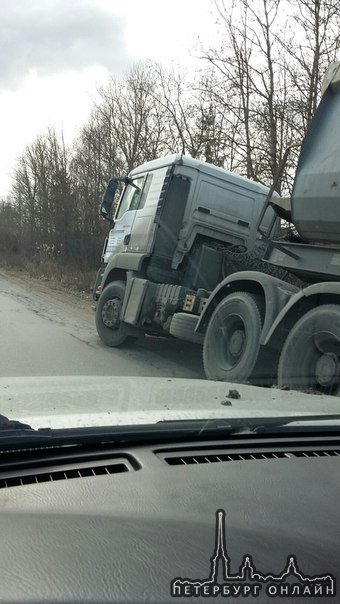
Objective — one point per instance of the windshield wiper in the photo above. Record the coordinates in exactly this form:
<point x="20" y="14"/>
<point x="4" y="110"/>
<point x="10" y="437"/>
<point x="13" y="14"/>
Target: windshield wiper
<point x="12" y="424"/>
<point x="257" y="425"/>
<point x="18" y="434"/>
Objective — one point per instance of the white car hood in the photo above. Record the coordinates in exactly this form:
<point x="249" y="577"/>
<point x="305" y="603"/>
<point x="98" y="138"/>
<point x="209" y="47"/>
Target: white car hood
<point x="66" y="402"/>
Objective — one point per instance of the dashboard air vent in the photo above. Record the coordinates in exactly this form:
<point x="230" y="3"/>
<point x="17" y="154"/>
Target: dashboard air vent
<point x="65" y="472"/>
<point x="199" y="458"/>
<point x="330" y="453"/>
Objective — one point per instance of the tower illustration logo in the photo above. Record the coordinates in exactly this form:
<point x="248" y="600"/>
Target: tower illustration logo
<point x="248" y="581"/>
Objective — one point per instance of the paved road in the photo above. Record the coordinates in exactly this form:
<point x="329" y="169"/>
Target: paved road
<point x="44" y="331"/>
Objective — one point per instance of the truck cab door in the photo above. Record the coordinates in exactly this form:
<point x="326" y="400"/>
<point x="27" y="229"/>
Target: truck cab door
<point x="119" y="236"/>
<point x="144" y="226"/>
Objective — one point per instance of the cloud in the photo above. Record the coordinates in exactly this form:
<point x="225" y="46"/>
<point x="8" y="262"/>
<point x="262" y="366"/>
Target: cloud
<point x="55" y="36"/>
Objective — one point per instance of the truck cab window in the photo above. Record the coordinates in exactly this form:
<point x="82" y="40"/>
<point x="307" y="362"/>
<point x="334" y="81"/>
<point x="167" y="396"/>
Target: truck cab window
<point x="145" y="191"/>
<point x="131" y="197"/>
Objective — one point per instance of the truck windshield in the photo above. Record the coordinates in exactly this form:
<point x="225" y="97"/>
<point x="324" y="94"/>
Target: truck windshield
<point x="130" y="197"/>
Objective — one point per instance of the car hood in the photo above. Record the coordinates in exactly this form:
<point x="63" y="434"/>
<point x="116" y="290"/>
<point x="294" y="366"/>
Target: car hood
<point x="70" y="402"/>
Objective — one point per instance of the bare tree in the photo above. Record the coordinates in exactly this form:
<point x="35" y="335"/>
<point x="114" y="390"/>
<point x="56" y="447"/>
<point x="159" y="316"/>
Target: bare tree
<point x="127" y="106"/>
<point x="312" y="45"/>
<point x="42" y="195"/>
<point x="270" y="60"/>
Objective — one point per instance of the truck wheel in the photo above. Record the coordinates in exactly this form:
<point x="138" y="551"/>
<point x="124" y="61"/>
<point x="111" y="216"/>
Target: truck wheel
<point x="109" y="327"/>
<point x="310" y="357"/>
<point x="232" y="340"/>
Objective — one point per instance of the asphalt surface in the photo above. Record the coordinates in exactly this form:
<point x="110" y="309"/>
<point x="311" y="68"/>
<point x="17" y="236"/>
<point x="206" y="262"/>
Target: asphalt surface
<point x="45" y="331"/>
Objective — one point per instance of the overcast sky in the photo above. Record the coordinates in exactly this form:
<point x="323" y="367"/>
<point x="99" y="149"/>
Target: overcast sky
<point x="55" y="53"/>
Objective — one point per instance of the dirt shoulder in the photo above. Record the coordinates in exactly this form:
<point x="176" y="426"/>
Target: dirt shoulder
<point x="46" y="289"/>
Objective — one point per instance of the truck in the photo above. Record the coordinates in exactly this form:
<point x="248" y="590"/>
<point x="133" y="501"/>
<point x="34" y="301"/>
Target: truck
<point x="180" y="226"/>
<point x="197" y="253"/>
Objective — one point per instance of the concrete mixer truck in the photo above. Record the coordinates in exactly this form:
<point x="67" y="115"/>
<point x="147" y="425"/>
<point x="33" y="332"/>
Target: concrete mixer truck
<point x="184" y="269"/>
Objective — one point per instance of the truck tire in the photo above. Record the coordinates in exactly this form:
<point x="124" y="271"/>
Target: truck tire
<point x="310" y="357"/>
<point x="251" y="260"/>
<point x="232" y="340"/>
<point x="183" y="325"/>
<point x="109" y="327"/>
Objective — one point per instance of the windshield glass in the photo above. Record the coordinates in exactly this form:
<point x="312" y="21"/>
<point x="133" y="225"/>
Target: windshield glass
<point x="215" y="290"/>
<point x="169" y="301"/>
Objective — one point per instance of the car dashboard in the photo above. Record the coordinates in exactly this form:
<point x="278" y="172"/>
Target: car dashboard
<point x="110" y="524"/>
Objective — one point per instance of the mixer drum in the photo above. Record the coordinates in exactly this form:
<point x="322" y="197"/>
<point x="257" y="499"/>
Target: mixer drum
<point x="316" y="192"/>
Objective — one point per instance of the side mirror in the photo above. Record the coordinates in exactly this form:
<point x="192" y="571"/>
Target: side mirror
<point x="108" y="197"/>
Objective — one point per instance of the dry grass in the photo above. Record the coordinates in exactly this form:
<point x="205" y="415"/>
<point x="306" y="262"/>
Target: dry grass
<point x="72" y="278"/>
<point x="8" y="260"/>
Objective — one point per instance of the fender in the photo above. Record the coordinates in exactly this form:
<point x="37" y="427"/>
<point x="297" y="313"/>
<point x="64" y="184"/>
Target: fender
<point x="274" y="292"/>
<point x="317" y="289"/>
<point x="124" y="261"/>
